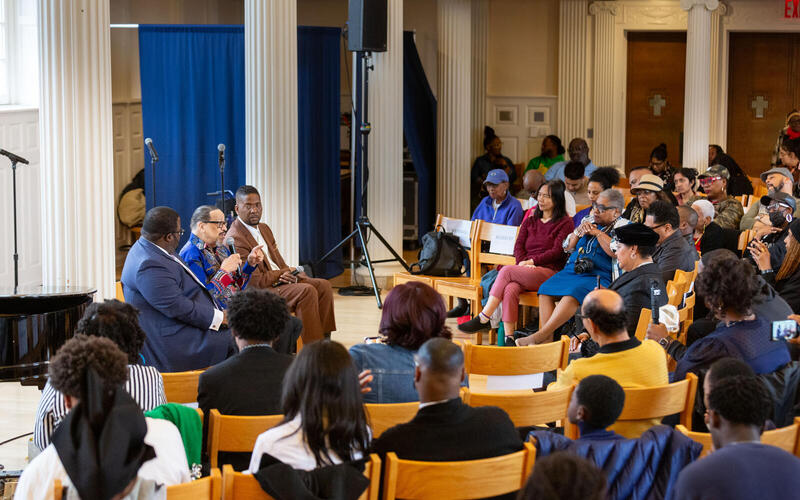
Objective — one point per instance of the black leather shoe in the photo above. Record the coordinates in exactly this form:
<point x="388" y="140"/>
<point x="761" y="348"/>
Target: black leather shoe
<point x="474" y="325"/>
<point x="510" y="341"/>
<point x="461" y="309"/>
<point x="519" y="334"/>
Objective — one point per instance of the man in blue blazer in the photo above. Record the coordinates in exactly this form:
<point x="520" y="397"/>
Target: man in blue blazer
<point x="175" y="309"/>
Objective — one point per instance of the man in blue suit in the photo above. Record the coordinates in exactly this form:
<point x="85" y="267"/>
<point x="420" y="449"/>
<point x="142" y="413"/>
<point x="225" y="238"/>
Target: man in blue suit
<point x="175" y="309"/>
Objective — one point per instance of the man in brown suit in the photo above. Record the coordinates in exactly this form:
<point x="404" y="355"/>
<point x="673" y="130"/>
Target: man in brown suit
<point x="311" y="299"/>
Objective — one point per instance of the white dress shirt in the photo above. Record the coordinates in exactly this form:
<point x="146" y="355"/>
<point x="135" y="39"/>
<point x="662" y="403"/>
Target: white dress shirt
<point x="260" y="240"/>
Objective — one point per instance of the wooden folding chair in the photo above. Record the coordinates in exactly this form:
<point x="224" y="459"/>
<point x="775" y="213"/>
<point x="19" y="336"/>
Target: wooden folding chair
<point x="645" y="317"/>
<point x="181" y="387"/>
<point x="58" y="490"/>
<point x="786" y="438"/>
<point x="525" y="408"/>
<point x="457" y="480"/>
<point x="646" y="403"/>
<point x="120" y="296"/>
<point x="382" y="416"/>
<point x="240" y="486"/>
<point x="234" y="433"/>
<point x="744" y="238"/>
<point x="686" y="316"/>
<point x="493" y="360"/>
<point x="207" y="488"/>
<point x="445" y="223"/>
<point x="675" y="291"/>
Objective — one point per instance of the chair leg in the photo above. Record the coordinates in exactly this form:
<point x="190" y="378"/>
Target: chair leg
<point x="477" y="338"/>
<point x="493" y="337"/>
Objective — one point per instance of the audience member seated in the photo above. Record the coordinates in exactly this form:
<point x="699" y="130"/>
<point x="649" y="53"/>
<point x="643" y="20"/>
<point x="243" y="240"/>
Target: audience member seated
<point x="445" y="429"/>
<point x="311" y="299"/>
<point x="672" y="252"/>
<point x="576" y="181"/>
<point x="784" y="277"/>
<point x="728" y="210"/>
<point x="603" y="178"/>
<point x="324" y="421"/>
<point x="248" y="383"/>
<point x="790" y="131"/>
<point x="590" y="261"/>
<point x="778" y="180"/>
<point x="564" y="476"/>
<point x="644" y="467"/>
<point x="634" y="177"/>
<point x="531" y="182"/>
<point x="105" y="447"/>
<point x="493" y="159"/>
<point x="632" y="363"/>
<point x="539" y="256"/>
<point x="634" y="245"/>
<point x="661" y="167"/>
<point x="176" y="310"/>
<point x="685" y="180"/>
<point x="578" y="151"/>
<point x="771" y="236"/>
<point x="118" y="322"/>
<point x="498" y="207"/>
<point x="412" y="313"/>
<point x="728" y="286"/>
<point x="708" y="236"/>
<point x="687" y="223"/>
<point x="649" y="189"/>
<point x="739" y="182"/>
<point x="790" y="158"/>
<point x="736" y="409"/>
<point x="552" y="153"/>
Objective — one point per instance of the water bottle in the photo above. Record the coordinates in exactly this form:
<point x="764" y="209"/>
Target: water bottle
<point x="501" y="335"/>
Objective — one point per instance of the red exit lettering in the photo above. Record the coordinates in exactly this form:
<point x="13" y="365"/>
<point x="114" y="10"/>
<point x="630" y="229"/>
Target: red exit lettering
<point x="792" y="9"/>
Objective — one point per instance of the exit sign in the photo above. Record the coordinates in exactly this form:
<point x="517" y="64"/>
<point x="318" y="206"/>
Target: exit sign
<point x="792" y="9"/>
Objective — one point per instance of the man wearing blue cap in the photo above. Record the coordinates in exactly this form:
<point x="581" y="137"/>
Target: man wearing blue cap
<point x="499" y="207"/>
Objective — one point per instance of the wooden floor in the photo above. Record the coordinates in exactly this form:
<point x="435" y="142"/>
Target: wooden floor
<point x="356" y="318"/>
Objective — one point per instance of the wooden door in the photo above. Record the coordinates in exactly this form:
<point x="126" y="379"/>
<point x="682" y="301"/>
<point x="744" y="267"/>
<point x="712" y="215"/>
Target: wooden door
<point x="654" y="101"/>
<point x="762" y="89"/>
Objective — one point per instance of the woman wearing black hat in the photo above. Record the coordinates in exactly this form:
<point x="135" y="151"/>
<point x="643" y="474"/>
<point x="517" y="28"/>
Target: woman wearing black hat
<point x="634" y="245"/>
<point x="786" y="280"/>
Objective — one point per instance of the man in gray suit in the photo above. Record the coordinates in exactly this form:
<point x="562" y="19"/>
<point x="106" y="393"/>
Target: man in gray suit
<point x="672" y="251"/>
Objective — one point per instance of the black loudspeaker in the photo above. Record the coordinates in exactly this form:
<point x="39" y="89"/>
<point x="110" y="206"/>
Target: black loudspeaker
<point x="366" y="26"/>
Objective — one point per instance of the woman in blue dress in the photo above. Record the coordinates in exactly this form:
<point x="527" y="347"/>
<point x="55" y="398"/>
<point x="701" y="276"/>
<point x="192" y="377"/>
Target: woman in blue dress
<point x="591" y="260"/>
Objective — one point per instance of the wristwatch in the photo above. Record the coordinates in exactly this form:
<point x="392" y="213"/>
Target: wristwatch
<point x="665" y="342"/>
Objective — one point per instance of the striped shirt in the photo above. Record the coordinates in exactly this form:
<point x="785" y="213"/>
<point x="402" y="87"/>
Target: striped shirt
<point x="144" y="384"/>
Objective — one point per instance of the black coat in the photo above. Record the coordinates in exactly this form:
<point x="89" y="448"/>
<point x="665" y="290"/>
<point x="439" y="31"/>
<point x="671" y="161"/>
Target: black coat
<point x="248" y="383"/>
<point x="674" y="253"/>
<point x="634" y="287"/>
<point x="788" y="288"/>
<point x="715" y="237"/>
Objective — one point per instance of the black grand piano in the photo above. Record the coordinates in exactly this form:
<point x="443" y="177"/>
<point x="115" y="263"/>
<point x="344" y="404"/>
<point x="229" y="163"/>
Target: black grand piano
<point x="34" y="322"/>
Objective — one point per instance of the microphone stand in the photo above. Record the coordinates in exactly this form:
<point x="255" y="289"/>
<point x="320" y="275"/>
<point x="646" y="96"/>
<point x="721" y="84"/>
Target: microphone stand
<point x="14" y="191"/>
<point x="222" y="184"/>
<point x="153" y="170"/>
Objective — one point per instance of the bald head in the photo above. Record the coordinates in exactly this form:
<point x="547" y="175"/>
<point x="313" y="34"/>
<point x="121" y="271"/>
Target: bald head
<point x="604" y="315"/>
<point x="532" y="181"/>
<point x="439" y="371"/>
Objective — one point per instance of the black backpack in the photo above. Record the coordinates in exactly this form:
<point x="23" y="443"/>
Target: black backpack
<point x="441" y="255"/>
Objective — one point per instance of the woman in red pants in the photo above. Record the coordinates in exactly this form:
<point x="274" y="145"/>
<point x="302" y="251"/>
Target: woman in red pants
<point x="538" y="253"/>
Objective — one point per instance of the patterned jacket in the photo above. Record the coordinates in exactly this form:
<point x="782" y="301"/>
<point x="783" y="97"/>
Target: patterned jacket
<point x="728" y="213"/>
<point x="205" y="262"/>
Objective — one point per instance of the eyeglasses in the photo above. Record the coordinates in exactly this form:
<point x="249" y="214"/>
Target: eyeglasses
<point x="657" y="226"/>
<point x="601" y="208"/>
<point x="219" y="223"/>
<point x="707" y="181"/>
<point x="774" y="207"/>
<point x="179" y="233"/>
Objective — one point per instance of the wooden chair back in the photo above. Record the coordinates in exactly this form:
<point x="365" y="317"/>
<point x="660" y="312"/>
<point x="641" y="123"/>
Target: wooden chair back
<point x="786" y="438"/>
<point x="382" y="416"/>
<point x="578" y="208"/>
<point x="645" y="403"/>
<point x="240" y="486"/>
<point x="457" y="480"/>
<point x="645" y="317"/>
<point x="58" y="490"/>
<point x="675" y="291"/>
<point x="685" y="276"/>
<point x="493" y="360"/>
<point x="207" y="488"/>
<point x="525" y="408"/>
<point x="624" y="182"/>
<point x="234" y="433"/>
<point x="486" y="232"/>
<point x="744" y="239"/>
<point x="181" y="387"/>
<point x="120" y="296"/>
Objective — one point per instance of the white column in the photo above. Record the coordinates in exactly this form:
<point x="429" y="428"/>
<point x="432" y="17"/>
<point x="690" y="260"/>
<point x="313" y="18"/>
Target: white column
<point x="716" y="134"/>
<point x="270" y="37"/>
<point x="76" y="136"/>
<point x="385" y="188"/>
<point x="453" y="159"/>
<point x="480" y="38"/>
<point x="572" y="69"/>
<point x="697" y="106"/>
<point x="605" y="17"/>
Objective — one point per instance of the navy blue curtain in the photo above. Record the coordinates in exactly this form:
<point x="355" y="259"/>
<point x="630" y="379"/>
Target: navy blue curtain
<point x="318" y="79"/>
<point x="192" y="99"/>
<point x="419" y="127"/>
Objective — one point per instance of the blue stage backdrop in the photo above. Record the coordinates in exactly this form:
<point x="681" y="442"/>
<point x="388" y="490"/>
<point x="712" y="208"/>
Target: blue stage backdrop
<point x="192" y="81"/>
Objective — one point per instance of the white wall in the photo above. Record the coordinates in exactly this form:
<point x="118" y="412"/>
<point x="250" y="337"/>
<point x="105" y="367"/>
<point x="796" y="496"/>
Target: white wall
<point x="19" y="133"/>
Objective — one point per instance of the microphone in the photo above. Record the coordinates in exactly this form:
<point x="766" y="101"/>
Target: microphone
<point x="297" y="270"/>
<point x="149" y="143"/>
<point x="13" y="157"/>
<point x="655" y="293"/>
<point x="221" y="157"/>
<point x="230" y="245"/>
